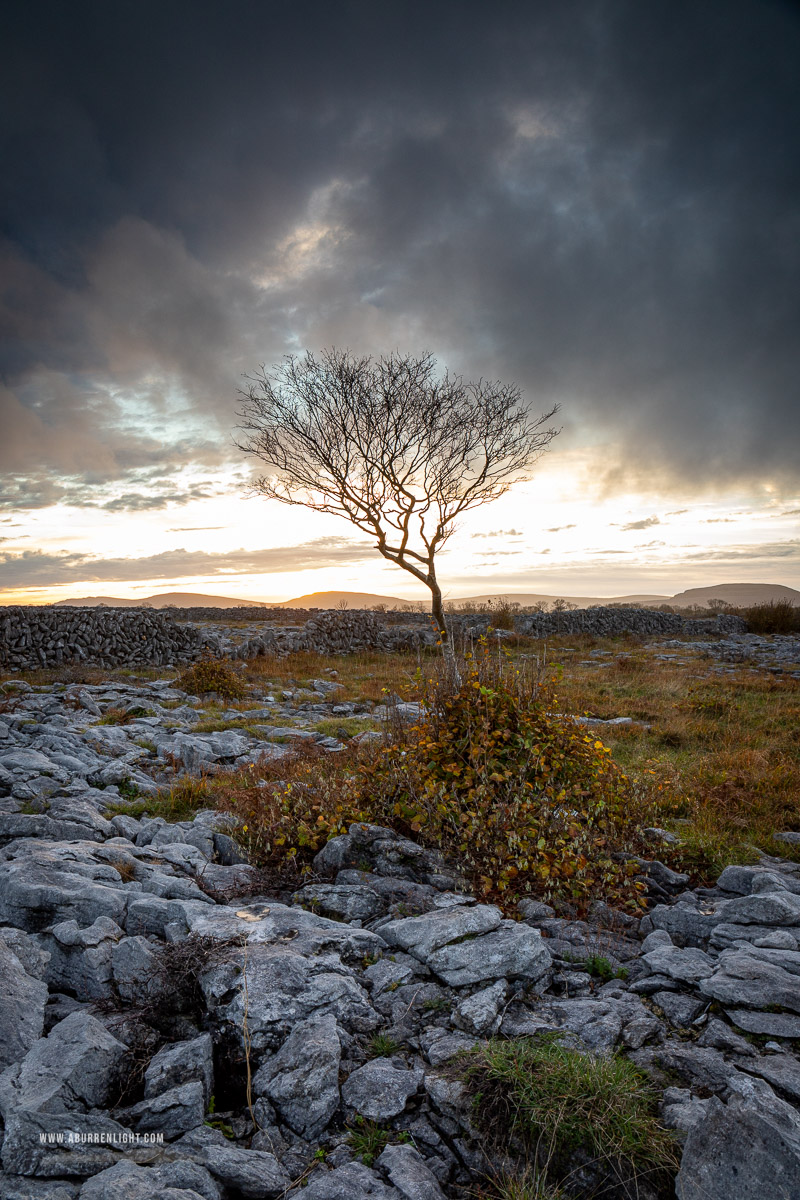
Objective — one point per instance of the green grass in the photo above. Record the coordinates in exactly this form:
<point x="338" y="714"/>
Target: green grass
<point x="528" y="1184"/>
<point x="180" y="803"/>
<point x="555" y="1100"/>
<point x="382" y="1045"/>
<point x="344" y="728"/>
<point x="368" y="1140"/>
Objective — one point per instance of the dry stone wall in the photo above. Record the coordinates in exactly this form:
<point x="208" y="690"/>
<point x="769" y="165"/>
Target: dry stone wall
<point x="32" y="637"/>
<point x="610" y="622"/>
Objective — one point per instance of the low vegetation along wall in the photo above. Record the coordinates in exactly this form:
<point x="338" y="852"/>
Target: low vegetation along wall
<point x="33" y="637"/>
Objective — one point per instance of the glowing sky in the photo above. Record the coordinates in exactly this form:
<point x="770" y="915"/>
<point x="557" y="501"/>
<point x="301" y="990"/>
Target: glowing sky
<point x="598" y="201"/>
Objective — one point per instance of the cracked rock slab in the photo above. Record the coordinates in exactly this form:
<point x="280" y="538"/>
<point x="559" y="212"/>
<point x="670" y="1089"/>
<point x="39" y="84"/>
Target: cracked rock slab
<point x="513" y="951"/>
<point x="302" y="1079"/>
<point x="379" y="1090"/>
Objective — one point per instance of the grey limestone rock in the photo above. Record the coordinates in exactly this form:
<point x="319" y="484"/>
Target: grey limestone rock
<point x="19" y="1187"/>
<point x="514" y="951"/>
<point x="782" y="1025"/>
<point x="761" y="908"/>
<point x="480" y="1012"/>
<point x="277" y="924"/>
<point x="700" y="1066"/>
<point x="284" y="987"/>
<point x="686" y="924"/>
<point x="409" y="1173"/>
<point x="352" y="1181"/>
<point x="75" y="1067"/>
<point x="81" y="958"/>
<point x="38" y="890"/>
<point x="720" y="1036"/>
<point x="598" y="1023"/>
<point x="171" y="1113"/>
<point x="684" y="966"/>
<point x="781" y="1071"/>
<point x="181" y="1180"/>
<point x="534" y="911"/>
<point x="256" y="1174"/>
<point x="302" y="1079"/>
<point x="135" y="970"/>
<point x="748" y="1149"/>
<point x="681" y="1110"/>
<point x="22" y="1005"/>
<point x="679" y="1009"/>
<point x="439" y="1045"/>
<point x="347" y="903"/>
<point x="746" y="979"/>
<point x="423" y="935"/>
<point x="181" y="1062"/>
<point x="388" y="974"/>
<point x="46" y="1145"/>
<point x="379" y="1090"/>
<point x="657" y="939"/>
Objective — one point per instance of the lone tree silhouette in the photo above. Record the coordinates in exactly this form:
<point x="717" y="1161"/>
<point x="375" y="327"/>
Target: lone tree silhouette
<point x="391" y="444"/>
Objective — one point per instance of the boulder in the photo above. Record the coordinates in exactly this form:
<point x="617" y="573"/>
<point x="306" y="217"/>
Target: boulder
<point x="170" y="1113"/>
<point x="746" y="980"/>
<point x="256" y="1174"/>
<point x="302" y="1079"/>
<point x="22" y="1004"/>
<point x="75" y="1067"/>
<point x="181" y="1180"/>
<point x="423" y="935"/>
<point x="409" y="1173"/>
<point x="513" y="951"/>
<point x="748" y="1149"/>
<point x="379" y="1090"/>
<point x="181" y="1062"/>
<point x="353" y="1181"/>
<point x="38" y="1143"/>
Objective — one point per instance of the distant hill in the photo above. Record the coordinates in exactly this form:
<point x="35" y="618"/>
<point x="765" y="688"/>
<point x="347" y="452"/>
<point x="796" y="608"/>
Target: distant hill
<point x="179" y="599"/>
<point x="352" y="599"/>
<point x="528" y="599"/>
<point x="739" y="594"/>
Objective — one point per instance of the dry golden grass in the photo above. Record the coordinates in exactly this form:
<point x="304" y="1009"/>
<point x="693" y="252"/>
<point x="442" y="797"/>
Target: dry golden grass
<point x="720" y="763"/>
<point x="367" y="675"/>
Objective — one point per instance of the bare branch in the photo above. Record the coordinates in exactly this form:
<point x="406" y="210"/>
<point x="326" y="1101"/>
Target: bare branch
<point x="397" y="449"/>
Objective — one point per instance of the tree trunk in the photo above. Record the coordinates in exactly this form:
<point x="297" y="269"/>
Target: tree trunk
<point x="437" y="612"/>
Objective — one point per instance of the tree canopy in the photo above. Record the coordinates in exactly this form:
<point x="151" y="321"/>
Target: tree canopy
<point x="397" y="447"/>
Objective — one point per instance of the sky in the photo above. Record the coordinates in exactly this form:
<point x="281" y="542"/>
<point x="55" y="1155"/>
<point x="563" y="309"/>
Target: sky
<point x="596" y="200"/>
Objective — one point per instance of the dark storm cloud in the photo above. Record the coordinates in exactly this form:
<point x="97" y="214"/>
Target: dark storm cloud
<point x="598" y="200"/>
<point x="36" y="568"/>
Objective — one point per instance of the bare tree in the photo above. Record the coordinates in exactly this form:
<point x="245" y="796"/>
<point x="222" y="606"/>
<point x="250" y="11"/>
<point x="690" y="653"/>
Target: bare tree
<point x="391" y="444"/>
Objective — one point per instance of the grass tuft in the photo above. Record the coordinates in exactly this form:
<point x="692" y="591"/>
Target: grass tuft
<point x="556" y="1100"/>
<point x="382" y="1045"/>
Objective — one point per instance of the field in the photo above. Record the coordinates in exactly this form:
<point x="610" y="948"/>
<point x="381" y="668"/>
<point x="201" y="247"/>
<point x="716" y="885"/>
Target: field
<point x="712" y="756"/>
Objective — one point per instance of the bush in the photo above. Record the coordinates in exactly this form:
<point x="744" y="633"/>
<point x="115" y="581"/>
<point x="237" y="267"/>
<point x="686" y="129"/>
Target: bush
<point x="511" y="791"/>
<point x="774" y="616"/>
<point x="212" y="675"/>
<point x="555" y="1101"/>
<point x="518" y="797"/>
